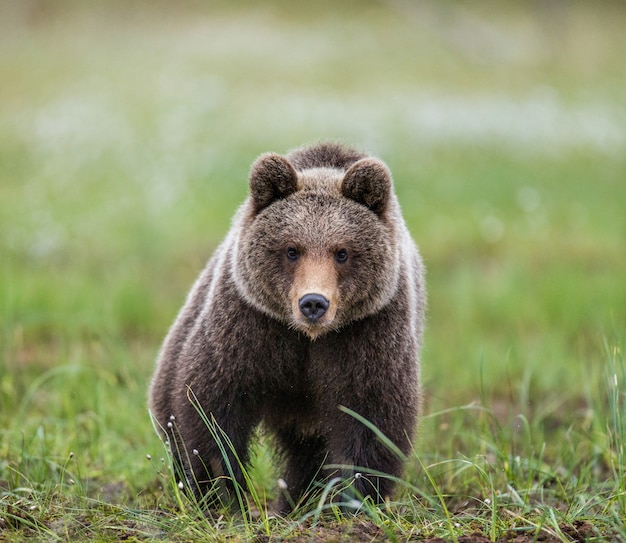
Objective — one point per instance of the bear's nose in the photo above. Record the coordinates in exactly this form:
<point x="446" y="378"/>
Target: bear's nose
<point x="313" y="306"/>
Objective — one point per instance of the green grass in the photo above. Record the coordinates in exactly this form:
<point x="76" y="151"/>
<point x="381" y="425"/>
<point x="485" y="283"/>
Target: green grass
<point x="126" y="135"/>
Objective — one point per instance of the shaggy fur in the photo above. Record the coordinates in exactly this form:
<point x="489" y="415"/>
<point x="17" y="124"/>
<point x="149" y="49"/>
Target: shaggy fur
<point x="314" y="300"/>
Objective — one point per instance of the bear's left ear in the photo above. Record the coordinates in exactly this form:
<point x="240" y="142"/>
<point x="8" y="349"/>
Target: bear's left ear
<point x="368" y="182"/>
<point x="272" y="177"/>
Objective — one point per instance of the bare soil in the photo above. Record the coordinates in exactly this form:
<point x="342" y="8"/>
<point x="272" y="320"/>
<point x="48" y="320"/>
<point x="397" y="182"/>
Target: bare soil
<point x="367" y="532"/>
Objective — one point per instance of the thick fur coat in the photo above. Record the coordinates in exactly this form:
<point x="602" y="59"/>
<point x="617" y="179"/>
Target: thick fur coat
<point x="314" y="300"/>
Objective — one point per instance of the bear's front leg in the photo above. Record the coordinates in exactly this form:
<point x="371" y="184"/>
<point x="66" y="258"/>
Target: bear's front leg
<point x="304" y="458"/>
<point x="212" y="447"/>
<point x="367" y="465"/>
<point x="376" y="376"/>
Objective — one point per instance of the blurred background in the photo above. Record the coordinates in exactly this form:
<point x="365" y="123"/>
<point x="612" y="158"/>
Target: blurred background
<point x="127" y="130"/>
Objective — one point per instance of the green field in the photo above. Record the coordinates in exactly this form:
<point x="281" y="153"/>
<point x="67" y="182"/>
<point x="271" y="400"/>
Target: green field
<point x="126" y="136"/>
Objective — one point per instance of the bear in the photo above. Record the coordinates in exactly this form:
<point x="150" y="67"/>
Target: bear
<point x="310" y="311"/>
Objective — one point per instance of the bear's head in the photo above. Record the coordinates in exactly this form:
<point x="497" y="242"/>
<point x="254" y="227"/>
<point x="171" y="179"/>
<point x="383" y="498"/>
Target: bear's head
<point x="318" y="246"/>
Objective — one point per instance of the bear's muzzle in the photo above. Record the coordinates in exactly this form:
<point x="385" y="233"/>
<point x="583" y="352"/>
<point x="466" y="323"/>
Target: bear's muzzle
<point x="313" y="306"/>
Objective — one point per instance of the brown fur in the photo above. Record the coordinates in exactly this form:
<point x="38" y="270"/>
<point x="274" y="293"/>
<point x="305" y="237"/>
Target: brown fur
<point x="314" y="300"/>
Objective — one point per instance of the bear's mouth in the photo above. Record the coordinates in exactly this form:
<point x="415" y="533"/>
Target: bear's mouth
<point x="313" y="330"/>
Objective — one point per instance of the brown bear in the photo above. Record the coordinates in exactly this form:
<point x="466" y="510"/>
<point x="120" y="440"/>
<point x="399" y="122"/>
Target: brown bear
<point x="315" y="300"/>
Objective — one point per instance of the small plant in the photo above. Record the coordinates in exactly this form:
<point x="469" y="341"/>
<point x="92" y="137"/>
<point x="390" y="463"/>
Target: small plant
<point x="616" y="429"/>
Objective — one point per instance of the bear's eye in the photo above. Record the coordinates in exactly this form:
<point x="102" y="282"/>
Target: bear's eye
<point x="292" y="254"/>
<point x="341" y="256"/>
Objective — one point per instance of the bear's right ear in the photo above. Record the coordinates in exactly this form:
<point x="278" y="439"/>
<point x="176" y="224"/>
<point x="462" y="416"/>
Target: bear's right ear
<point x="272" y="177"/>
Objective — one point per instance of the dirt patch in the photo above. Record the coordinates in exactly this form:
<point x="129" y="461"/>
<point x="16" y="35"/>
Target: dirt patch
<point x="331" y="533"/>
<point x="367" y="532"/>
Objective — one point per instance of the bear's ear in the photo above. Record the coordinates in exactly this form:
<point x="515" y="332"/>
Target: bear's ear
<point x="272" y="177"/>
<point x="368" y="182"/>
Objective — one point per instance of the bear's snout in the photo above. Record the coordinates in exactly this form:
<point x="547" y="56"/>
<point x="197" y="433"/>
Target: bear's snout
<point x="313" y="306"/>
